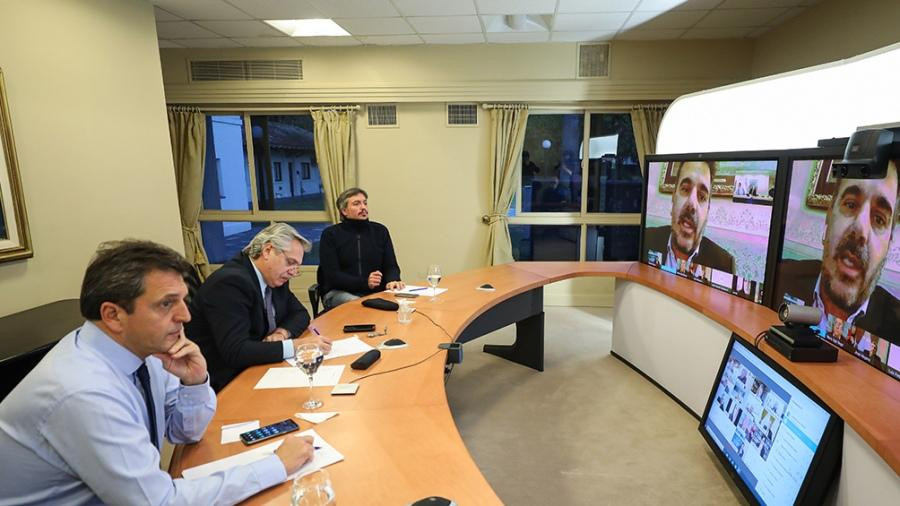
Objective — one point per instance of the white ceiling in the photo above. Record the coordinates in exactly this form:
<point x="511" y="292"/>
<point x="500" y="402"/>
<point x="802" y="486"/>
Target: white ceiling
<point x="238" y="23"/>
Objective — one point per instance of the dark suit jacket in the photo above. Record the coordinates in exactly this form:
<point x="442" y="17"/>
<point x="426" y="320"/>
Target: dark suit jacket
<point x="710" y="254"/>
<point x="229" y="321"/>
<point x="797" y="278"/>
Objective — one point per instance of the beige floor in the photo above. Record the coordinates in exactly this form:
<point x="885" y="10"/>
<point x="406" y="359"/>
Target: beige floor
<point x="587" y="430"/>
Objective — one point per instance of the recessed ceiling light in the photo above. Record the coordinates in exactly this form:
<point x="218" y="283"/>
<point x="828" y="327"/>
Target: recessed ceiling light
<point x="309" y="27"/>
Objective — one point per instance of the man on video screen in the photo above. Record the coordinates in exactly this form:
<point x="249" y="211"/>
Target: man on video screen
<point x="684" y="240"/>
<point x="859" y="227"/>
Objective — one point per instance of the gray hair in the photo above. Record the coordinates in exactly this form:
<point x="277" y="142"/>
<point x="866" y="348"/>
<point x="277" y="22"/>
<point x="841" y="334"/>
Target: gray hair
<point x="345" y="195"/>
<point x="280" y="235"/>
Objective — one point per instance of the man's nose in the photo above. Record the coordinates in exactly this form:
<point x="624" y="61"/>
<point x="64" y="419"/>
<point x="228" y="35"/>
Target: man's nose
<point x="184" y="312"/>
<point x="862" y="221"/>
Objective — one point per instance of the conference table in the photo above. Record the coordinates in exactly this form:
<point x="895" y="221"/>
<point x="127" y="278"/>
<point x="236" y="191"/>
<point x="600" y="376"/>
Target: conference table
<point x="397" y="434"/>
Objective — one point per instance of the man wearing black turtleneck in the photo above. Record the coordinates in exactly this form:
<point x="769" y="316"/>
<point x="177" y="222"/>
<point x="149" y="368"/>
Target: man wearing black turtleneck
<point x="356" y="256"/>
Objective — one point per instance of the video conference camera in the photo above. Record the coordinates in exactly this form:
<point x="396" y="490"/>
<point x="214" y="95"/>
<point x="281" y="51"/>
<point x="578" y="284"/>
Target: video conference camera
<point x="867" y="154"/>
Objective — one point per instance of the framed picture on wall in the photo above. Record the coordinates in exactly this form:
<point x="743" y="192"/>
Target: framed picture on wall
<point x="821" y="185"/>
<point x="15" y="240"/>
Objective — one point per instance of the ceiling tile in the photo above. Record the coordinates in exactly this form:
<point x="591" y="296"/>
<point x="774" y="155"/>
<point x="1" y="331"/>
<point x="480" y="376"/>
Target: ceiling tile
<point x="355" y="8"/>
<point x="453" y="38"/>
<point x="446" y="24"/>
<point x="330" y="41"/>
<point x="791" y="13"/>
<point x="375" y="26"/>
<point x="435" y="8"/>
<point x="731" y="18"/>
<point x="532" y="23"/>
<point x="717" y="33"/>
<point x="516" y="6"/>
<point x="758" y="4"/>
<point x="162" y="15"/>
<point x="392" y="40"/>
<point x="278" y="9"/>
<point x="664" y="20"/>
<point x="268" y="41"/>
<point x="218" y="42"/>
<point x="582" y="36"/>
<point x="566" y="6"/>
<point x="661" y="34"/>
<point x="589" y="22"/>
<point x="756" y="32"/>
<point x="240" y="28"/>
<point x="518" y="37"/>
<point x="181" y="30"/>
<point x="202" y="9"/>
<point x="667" y="5"/>
<point x="168" y="44"/>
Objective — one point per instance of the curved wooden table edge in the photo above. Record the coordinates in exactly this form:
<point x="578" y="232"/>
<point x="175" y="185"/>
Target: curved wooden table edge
<point x="866" y="399"/>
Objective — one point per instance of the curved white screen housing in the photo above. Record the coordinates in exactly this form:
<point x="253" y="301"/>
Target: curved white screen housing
<point x="790" y="110"/>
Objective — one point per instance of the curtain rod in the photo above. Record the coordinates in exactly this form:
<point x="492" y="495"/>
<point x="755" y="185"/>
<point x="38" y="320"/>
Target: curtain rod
<point x="242" y="109"/>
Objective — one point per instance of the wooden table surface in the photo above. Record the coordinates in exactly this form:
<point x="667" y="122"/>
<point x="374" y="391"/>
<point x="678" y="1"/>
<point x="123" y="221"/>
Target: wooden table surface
<point x="397" y="434"/>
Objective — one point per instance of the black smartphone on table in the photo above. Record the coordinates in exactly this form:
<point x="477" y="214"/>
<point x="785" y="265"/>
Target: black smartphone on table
<point x="359" y="327"/>
<point x="269" y="431"/>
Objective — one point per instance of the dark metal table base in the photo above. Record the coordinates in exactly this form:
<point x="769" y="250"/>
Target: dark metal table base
<point x="526" y="310"/>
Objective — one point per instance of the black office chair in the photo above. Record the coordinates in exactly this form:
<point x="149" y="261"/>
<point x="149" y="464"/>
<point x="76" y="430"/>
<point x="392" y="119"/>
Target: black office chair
<point x="314" y="299"/>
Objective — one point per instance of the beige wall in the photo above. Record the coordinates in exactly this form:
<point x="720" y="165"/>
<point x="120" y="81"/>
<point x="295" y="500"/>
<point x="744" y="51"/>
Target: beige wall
<point x="87" y="108"/>
<point x="830" y="31"/>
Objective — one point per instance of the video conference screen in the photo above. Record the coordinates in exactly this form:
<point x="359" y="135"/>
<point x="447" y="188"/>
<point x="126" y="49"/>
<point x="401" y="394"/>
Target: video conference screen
<point x="841" y="254"/>
<point x="766" y="429"/>
<point x="709" y="221"/>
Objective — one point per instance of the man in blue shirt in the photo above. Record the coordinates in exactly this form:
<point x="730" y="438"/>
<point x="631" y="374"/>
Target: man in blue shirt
<point x="86" y="425"/>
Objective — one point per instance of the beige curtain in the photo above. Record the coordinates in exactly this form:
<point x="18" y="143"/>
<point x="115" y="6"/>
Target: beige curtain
<point x="187" y="132"/>
<point x="507" y="136"/>
<point x="645" y="119"/>
<point x="334" y="153"/>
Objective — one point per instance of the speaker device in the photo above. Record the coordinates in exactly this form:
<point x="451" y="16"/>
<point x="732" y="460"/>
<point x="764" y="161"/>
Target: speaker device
<point x="366" y="360"/>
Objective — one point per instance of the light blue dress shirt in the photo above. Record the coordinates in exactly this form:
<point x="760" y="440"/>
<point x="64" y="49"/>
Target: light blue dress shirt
<point x="287" y="346"/>
<point x="75" y="431"/>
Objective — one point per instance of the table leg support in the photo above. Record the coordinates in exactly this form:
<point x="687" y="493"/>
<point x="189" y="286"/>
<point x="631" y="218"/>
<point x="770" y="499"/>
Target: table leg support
<point x="528" y="349"/>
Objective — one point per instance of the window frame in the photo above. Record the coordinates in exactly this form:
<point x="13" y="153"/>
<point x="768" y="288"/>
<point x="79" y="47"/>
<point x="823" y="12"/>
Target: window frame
<point x="255" y="214"/>
<point x="583" y="218"/>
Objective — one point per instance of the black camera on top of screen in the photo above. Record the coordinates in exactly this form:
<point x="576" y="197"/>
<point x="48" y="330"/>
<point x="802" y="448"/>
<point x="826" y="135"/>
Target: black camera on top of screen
<point x="866" y="155"/>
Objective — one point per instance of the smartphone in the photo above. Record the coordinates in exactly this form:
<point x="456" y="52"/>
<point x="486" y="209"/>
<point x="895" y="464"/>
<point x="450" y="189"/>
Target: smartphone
<point x="359" y="327"/>
<point x="269" y="431"/>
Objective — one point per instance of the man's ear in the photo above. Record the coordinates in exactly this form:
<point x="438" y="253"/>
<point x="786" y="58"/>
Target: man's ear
<point x="112" y="316"/>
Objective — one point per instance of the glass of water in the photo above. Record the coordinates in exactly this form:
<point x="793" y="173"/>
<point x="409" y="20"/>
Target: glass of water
<point x="313" y="489"/>
<point x="309" y="358"/>
<point x="433" y="277"/>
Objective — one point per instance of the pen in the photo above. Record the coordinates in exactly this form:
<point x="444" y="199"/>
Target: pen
<point x="418" y="289"/>
<point x="317" y="447"/>
<point x="316" y="331"/>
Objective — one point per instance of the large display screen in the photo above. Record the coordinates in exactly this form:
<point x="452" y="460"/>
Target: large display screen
<point x="770" y="434"/>
<point x="841" y="254"/>
<point x="709" y="220"/>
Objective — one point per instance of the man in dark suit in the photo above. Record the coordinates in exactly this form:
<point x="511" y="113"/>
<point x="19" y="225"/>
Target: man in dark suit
<point x="859" y="228"/>
<point x="245" y="313"/>
<point x="683" y="239"/>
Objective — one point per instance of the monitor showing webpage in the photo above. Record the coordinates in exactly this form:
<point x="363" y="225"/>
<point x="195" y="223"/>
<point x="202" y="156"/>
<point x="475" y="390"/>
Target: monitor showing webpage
<point x="709" y="221"/>
<point x="766" y="428"/>
<point x="841" y="254"/>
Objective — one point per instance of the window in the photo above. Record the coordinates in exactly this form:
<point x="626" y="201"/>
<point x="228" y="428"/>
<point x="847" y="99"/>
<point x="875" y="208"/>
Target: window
<point x="559" y="214"/>
<point x="246" y="186"/>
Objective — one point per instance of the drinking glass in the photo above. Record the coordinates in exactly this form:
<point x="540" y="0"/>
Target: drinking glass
<point x="313" y="489"/>
<point x="309" y="358"/>
<point x="433" y="277"/>
<point x="404" y="311"/>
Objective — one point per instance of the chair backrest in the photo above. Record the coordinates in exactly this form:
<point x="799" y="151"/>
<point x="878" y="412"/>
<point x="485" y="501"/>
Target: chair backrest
<point x="314" y="299"/>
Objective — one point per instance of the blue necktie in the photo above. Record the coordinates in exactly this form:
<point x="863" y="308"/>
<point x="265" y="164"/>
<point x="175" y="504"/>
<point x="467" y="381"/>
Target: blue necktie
<point x="270" y="310"/>
<point x="144" y="378"/>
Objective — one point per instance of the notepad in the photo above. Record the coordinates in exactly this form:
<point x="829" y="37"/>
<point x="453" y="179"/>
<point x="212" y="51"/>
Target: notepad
<point x="325" y="456"/>
<point x="421" y="290"/>
<point x="341" y="348"/>
<point x="231" y="433"/>
<point x="292" y="377"/>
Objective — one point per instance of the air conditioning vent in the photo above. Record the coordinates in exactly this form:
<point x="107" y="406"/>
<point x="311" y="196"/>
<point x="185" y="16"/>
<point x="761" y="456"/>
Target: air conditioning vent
<point x="593" y="60"/>
<point x="462" y="114"/>
<point x="382" y="115"/>
<point x="247" y="70"/>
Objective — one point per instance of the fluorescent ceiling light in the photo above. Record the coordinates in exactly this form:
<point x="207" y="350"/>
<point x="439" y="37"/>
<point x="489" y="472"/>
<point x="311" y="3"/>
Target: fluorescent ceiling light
<point x="308" y="27"/>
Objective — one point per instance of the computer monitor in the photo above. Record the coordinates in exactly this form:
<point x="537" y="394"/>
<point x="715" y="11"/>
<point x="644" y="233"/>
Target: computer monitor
<point x="778" y="441"/>
<point x="708" y="217"/>
<point x="841" y="253"/>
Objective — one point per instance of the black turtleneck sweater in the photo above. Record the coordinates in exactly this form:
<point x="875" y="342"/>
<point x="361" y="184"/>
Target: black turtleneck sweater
<point x="350" y="251"/>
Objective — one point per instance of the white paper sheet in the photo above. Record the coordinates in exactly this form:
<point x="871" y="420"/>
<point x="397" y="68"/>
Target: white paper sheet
<point x="325" y="456"/>
<point x="231" y="433"/>
<point x="293" y="377"/>
<point x="316" y="417"/>
<point x="423" y="291"/>
<point x="341" y="348"/>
